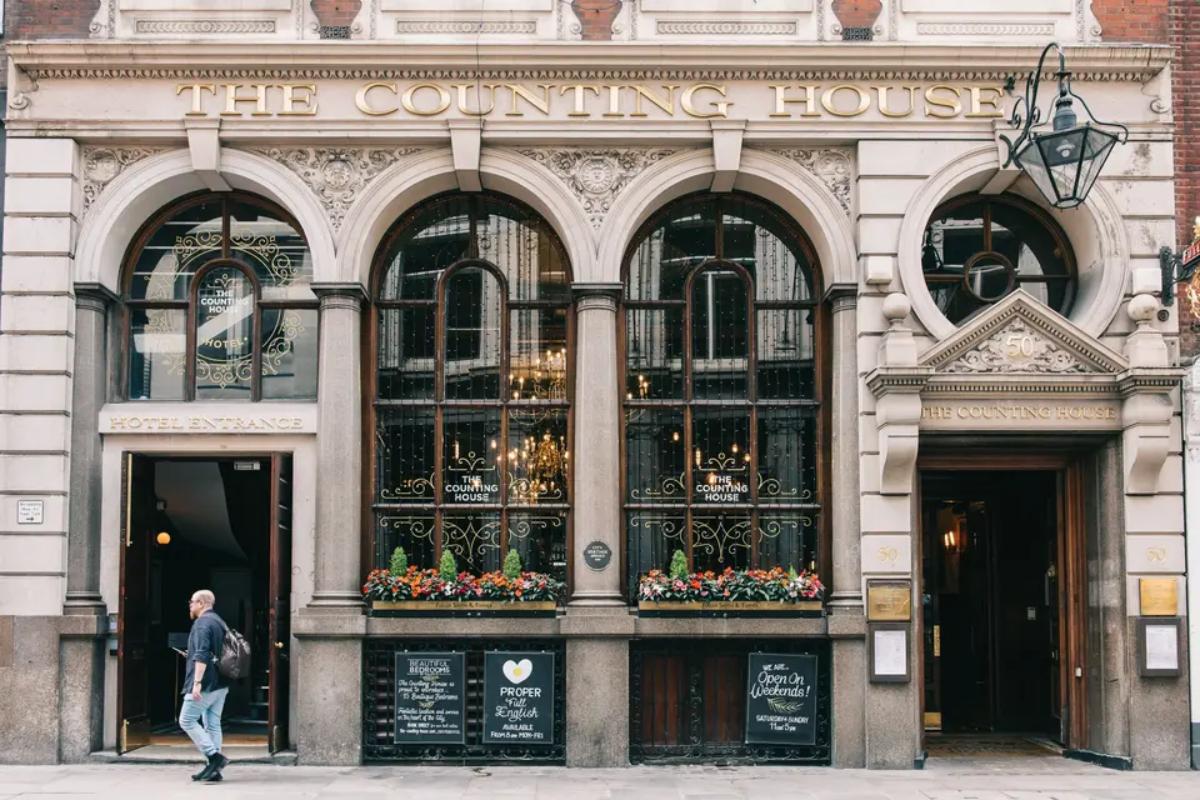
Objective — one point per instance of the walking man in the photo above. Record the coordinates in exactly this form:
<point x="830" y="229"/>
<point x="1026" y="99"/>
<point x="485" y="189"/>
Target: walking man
<point x="204" y="688"/>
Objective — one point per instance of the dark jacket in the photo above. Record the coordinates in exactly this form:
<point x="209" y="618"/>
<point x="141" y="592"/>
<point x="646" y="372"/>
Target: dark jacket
<point x="204" y="644"/>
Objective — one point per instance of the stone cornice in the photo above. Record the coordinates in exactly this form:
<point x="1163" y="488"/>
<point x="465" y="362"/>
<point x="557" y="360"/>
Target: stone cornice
<point x="56" y="59"/>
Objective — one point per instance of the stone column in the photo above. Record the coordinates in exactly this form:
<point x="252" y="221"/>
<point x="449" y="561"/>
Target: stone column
<point x="597" y="458"/>
<point x="337" y="572"/>
<point x="847" y="624"/>
<point x="89" y="392"/>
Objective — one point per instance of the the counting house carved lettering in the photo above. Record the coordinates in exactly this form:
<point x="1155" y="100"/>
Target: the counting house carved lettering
<point x="1049" y="414"/>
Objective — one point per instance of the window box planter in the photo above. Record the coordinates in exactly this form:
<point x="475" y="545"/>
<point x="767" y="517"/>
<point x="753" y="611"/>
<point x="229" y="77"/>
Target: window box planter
<point x="730" y="608"/>
<point x="773" y="592"/>
<point x="419" y="592"/>
<point x="463" y="608"/>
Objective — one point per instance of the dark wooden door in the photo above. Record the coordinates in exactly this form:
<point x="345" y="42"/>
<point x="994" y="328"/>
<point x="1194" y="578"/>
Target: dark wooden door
<point x="280" y="601"/>
<point x="133" y="616"/>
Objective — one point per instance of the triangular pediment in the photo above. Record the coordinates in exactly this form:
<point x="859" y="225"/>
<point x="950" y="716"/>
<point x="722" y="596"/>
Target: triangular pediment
<point x="1021" y="336"/>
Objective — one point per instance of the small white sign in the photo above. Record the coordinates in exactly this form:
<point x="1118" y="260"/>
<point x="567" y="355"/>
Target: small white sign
<point x="31" y="512"/>
<point x="1162" y="647"/>
<point x="891" y="656"/>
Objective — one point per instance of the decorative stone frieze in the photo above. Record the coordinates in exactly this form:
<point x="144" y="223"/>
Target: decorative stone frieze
<point x="337" y="175"/>
<point x="705" y="27"/>
<point x="102" y="163"/>
<point x="204" y="27"/>
<point x="597" y="176"/>
<point x="1016" y="347"/>
<point x="833" y="166"/>
<point x="427" y="26"/>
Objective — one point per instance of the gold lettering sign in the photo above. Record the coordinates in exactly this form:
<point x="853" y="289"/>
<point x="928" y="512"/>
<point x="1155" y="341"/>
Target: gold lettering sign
<point x="424" y="98"/>
<point x="889" y="601"/>
<point x="204" y="424"/>
<point x="1159" y="597"/>
<point x="996" y="411"/>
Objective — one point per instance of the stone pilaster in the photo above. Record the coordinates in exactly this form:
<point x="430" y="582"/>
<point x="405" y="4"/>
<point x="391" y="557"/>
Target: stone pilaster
<point x="597" y="459"/>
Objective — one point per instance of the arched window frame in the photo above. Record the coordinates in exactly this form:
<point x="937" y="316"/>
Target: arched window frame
<point x="373" y="403"/>
<point x="190" y="305"/>
<point x="1039" y="216"/>
<point x="687" y="402"/>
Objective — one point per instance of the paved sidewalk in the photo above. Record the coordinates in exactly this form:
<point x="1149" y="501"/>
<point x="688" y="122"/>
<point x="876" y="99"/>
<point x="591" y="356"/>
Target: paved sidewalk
<point x="951" y="779"/>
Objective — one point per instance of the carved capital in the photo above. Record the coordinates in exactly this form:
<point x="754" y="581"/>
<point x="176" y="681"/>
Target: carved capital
<point x="95" y="297"/>
<point x="340" y="296"/>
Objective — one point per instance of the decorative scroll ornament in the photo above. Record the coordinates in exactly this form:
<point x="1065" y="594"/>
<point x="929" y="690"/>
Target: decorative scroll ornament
<point x="337" y="175"/>
<point x="597" y="176"/>
<point x="833" y="166"/>
<point x="102" y="164"/>
<point x="1017" y="347"/>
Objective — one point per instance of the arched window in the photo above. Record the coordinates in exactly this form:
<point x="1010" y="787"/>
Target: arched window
<point x="219" y="305"/>
<point x="978" y="249"/>
<point x="471" y="403"/>
<point x="722" y="384"/>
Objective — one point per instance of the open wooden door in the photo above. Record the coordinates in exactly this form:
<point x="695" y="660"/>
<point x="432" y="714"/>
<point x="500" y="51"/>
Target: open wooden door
<point x="280" y="601"/>
<point x="133" y="618"/>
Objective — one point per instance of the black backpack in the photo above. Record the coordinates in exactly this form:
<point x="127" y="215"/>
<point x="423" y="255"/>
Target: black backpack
<point x="234" y="662"/>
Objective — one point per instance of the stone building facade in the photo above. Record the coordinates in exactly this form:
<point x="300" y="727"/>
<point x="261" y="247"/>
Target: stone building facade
<point x="286" y="284"/>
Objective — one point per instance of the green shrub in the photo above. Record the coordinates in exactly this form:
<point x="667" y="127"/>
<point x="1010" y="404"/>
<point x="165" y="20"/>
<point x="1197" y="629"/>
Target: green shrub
<point x="512" y="564"/>
<point x="679" y="566"/>
<point x="399" y="563"/>
<point x="448" y="568"/>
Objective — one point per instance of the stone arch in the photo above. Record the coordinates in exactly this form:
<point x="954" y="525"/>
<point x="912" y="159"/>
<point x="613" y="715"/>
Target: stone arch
<point x="406" y="184"/>
<point x="145" y="187"/>
<point x="770" y="177"/>
<point x="1095" y="231"/>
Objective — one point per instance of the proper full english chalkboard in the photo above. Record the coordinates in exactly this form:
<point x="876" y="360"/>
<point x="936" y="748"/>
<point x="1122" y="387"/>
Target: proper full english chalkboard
<point x="518" y="698"/>
<point x="781" y="699"/>
<point x="430" y="698"/>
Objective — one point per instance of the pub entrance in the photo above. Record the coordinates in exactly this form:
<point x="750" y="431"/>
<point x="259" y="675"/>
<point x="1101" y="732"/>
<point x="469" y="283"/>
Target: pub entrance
<point x="203" y="523"/>
<point x="1001" y="608"/>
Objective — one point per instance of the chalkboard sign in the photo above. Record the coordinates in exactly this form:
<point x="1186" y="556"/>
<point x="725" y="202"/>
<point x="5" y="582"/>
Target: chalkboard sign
<point x="518" y="698"/>
<point x="430" y="698"/>
<point x="781" y="699"/>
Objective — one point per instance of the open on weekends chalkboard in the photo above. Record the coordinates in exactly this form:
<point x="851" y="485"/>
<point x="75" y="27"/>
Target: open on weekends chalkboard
<point x="430" y="698"/>
<point x="781" y="699"/>
<point x="518" y="698"/>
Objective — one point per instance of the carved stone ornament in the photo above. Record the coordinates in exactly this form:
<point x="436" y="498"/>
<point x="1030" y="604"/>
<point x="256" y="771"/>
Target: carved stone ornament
<point x="102" y="163"/>
<point x="833" y="166"/>
<point x="597" y="176"/>
<point x="1016" y="347"/>
<point x="337" y="175"/>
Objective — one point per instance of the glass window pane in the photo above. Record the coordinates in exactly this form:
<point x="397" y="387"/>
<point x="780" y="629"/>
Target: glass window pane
<point x="520" y="246"/>
<point x="720" y="541"/>
<point x="541" y="540"/>
<point x="538" y="354"/>
<point x="538" y="460"/>
<point x="273" y="250"/>
<point x="438" y="237"/>
<point x="413" y="532"/>
<point x="760" y="241"/>
<point x="474" y="539"/>
<point x="720" y="456"/>
<point x="787" y="540"/>
<point x="719" y="335"/>
<point x="471" y="451"/>
<point x="654" y="456"/>
<point x="289" y="353"/>
<point x="406" y="352"/>
<point x="652" y="538"/>
<point x="224" y="334"/>
<point x="659" y="266"/>
<point x="472" y="310"/>
<point x="174" y="251"/>
<point x="404" y="455"/>
<point x="787" y="456"/>
<point x="157" y="353"/>
<point x="786" y="350"/>
<point x="654" y="353"/>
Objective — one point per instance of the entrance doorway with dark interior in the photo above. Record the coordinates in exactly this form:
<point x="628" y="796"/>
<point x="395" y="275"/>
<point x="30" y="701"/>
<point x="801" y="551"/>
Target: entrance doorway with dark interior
<point x="203" y="523"/>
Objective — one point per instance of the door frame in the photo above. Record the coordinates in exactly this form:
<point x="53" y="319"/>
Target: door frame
<point x="1072" y="560"/>
<point x="274" y="459"/>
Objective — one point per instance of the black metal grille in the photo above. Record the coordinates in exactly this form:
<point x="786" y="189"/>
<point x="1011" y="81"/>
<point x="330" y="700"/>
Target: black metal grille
<point x="697" y="744"/>
<point x="857" y="34"/>
<point x="379" y="713"/>
<point x="335" y="31"/>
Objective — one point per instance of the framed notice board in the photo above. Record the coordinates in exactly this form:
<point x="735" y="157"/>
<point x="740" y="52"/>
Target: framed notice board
<point x="430" y="698"/>
<point x="781" y="699"/>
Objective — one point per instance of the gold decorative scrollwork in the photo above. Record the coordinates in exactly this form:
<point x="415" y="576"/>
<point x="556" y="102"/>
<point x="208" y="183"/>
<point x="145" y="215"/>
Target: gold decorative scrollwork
<point x="720" y="536"/>
<point x="669" y="488"/>
<point x="265" y="250"/>
<point x="413" y="527"/>
<point x="409" y="489"/>
<point x="281" y="341"/>
<point x="470" y="536"/>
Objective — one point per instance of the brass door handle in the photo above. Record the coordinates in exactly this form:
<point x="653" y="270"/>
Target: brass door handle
<point x="279" y="645"/>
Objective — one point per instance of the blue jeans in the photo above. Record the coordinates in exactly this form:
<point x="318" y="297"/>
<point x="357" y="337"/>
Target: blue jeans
<point x="201" y="719"/>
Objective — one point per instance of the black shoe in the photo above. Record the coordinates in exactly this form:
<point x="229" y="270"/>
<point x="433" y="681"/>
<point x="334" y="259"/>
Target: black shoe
<point x="200" y="774"/>
<point x="221" y="760"/>
<point x="215" y="763"/>
<point x="214" y="778"/>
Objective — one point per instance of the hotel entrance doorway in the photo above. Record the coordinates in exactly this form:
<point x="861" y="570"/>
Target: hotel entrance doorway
<point x="1001" y="618"/>
<point x="203" y="523"/>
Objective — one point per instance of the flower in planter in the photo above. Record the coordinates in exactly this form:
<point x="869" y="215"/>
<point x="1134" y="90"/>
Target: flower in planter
<point x="774" y="585"/>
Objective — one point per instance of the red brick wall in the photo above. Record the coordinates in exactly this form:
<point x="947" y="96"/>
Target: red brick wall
<point x="1185" y="38"/>
<point x="1135" y="20"/>
<point x="596" y="17"/>
<point x="49" y="19"/>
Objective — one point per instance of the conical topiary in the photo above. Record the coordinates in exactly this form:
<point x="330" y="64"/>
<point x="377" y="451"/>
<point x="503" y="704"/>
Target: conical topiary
<point x="399" y="563"/>
<point x="512" y="564"/>
<point x="679" y="566"/>
<point x="447" y="567"/>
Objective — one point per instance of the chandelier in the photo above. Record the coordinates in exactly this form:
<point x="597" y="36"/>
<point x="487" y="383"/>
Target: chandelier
<point x="542" y="464"/>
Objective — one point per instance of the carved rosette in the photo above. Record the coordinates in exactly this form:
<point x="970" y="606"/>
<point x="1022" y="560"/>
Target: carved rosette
<point x="595" y="176"/>
<point x="337" y="175"/>
<point x="101" y="164"/>
<point x="832" y="166"/>
<point x="1017" y="347"/>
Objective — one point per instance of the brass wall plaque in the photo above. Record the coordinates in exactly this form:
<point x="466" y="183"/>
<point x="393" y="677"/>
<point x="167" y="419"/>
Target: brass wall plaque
<point x="889" y="601"/>
<point x="1159" y="597"/>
